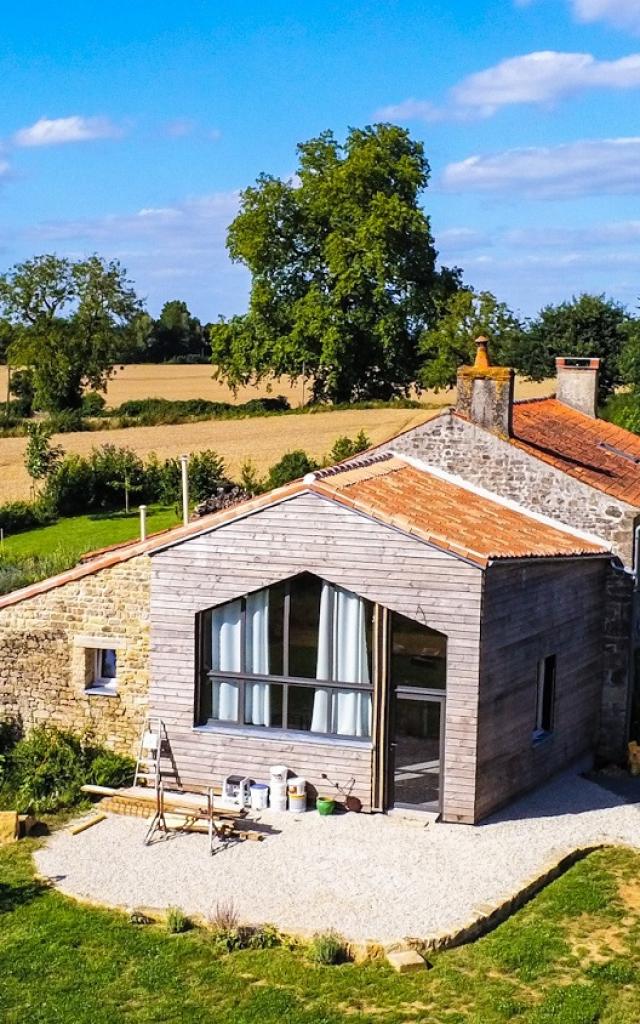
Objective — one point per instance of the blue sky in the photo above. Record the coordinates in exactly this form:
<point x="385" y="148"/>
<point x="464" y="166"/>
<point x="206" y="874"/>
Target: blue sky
<point x="128" y="129"/>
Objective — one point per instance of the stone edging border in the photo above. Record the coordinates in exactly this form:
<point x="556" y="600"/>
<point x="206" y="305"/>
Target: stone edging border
<point x="488" y="916"/>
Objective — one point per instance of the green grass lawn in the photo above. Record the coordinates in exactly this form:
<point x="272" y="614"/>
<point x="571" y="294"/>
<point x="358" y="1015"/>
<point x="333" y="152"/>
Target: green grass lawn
<point x="572" y="956"/>
<point x="79" y="534"/>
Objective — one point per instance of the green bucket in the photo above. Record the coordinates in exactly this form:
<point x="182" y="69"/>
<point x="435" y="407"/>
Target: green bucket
<point x="325" y="805"/>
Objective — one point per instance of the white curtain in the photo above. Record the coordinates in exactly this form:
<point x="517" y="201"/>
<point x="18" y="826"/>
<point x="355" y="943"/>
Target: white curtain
<point x="342" y="655"/>
<point x="257" y="697"/>
<point x="226" y="648"/>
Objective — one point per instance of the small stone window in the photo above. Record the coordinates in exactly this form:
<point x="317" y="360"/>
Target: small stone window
<point x="102" y="676"/>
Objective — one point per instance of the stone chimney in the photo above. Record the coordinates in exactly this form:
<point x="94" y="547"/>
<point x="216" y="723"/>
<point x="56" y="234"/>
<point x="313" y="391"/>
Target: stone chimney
<point x="577" y="383"/>
<point x="485" y="393"/>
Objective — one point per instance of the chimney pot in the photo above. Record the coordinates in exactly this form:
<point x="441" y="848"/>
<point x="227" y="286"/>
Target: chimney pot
<point x="577" y="383"/>
<point x="482" y="353"/>
<point x="485" y="392"/>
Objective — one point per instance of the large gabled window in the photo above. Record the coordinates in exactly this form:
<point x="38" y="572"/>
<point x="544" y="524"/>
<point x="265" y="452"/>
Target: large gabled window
<point x="294" y="656"/>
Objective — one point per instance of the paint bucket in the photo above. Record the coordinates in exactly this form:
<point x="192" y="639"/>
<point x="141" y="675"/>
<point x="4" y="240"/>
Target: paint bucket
<point x="278" y="803"/>
<point x="296" y="786"/>
<point x="278" y="796"/>
<point x="259" y="796"/>
<point x="297" y="802"/>
<point x="278" y="773"/>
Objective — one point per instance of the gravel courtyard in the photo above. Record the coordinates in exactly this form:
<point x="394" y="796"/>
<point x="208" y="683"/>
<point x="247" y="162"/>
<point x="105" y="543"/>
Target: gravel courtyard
<point x="369" y="877"/>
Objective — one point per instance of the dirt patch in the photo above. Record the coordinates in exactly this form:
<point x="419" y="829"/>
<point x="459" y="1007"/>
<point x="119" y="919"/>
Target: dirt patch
<point x="593" y="942"/>
<point x="629" y="891"/>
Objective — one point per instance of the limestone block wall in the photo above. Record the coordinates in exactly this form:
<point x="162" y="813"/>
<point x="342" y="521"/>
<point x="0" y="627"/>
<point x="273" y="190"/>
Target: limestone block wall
<point x="47" y="645"/>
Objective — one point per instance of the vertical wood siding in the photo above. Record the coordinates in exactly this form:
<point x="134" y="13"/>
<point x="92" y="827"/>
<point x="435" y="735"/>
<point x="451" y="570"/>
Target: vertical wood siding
<point x="311" y="534"/>
<point x="531" y="611"/>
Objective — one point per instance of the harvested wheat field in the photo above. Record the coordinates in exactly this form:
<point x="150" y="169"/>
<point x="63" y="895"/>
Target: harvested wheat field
<point x="262" y="439"/>
<point x="165" y="380"/>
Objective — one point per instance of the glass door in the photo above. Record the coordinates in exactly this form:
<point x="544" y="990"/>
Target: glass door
<point x="417" y="745"/>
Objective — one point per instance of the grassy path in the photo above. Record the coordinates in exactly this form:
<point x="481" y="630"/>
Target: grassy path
<point x="572" y="956"/>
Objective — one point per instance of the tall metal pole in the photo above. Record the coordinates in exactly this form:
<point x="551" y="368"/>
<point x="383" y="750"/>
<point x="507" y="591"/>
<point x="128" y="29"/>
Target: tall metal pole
<point x="143" y="522"/>
<point x="184" y="459"/>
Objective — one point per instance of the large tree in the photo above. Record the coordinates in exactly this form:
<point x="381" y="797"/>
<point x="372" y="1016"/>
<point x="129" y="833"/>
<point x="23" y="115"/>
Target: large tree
<point x="68" y="319"/>
<point x="450" y="343"/>
<point x="343" y="266"/>
<point x="589" y="325"/>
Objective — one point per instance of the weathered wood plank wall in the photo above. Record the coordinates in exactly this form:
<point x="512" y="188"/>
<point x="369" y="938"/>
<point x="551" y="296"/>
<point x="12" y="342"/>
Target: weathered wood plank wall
<point x="531" y="611"/>
<point x="311" y="534"/>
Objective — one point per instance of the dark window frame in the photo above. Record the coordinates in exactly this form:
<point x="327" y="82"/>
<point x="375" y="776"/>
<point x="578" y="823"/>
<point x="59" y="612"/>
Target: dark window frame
<point x="545" y="697"/>
<point x="206" y="678"/>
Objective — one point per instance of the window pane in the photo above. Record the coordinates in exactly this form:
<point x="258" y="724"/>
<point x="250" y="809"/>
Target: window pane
<point x="226" y="631"/>
<point x="300" y="707"/>
<point x="276" y="636"/>
<point x="418" y="654"/>
<point x="263" y="704"/>
<point x="226" y="700"/>
<point x="303" y="626"/>
<point x="107" y="666"/>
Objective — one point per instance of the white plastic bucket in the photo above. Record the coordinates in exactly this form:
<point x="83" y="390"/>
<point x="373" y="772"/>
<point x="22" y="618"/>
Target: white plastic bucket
<point x="297" y="802"/>
<point x="259" y="796"/>
<point x="278" y="773"/>
<point x="278" y="804"/>
<point x="277" y="790"/>
<point x="297" y="786"/>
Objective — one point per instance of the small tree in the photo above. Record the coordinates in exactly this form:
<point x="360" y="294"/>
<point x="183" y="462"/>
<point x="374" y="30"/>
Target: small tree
<point x="68" y="321"/>
<point x="451" y="343"/>
<point x="589" y="325"/>
<point x="41" y="457"/>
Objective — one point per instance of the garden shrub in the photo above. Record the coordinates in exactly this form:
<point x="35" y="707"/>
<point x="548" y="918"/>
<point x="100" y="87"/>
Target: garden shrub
<point x="291" y="466"/>
<point x="346" y="447"/>
<point x="177" y="921"/>
<point x="93" y="404"/>
<point x="48" y="767"/>
<point x="328" y="948"/>
<point x="67" y="421"/>
<point x="17" y="516"/>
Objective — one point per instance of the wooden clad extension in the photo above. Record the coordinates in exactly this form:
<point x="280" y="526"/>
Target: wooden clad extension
<point x="309" y="533"/>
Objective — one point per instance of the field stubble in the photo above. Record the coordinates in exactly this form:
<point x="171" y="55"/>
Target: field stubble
<point x="262" y="439"/>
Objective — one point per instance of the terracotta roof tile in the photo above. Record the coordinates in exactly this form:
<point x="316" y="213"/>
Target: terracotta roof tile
<point x="450" y="515"/>
<point x="577" y="444"/>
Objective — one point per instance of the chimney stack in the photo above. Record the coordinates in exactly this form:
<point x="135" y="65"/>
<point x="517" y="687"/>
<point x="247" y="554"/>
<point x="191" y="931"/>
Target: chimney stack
<point x="577" y="383"/>
<point x="485" y="393"/>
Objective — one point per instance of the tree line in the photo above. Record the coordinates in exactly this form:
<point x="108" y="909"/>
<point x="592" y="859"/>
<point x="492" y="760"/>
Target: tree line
<point x="346" y="292"/>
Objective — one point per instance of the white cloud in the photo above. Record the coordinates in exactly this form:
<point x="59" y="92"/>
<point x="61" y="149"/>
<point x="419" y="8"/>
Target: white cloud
<point x="461" y="239"/>
<point x="542" y="77"/>
<point x="410" y="110"/>
<point x="621" y="13"/>
<point x="179" y="128"/>
<point x="57" y="131"/>
<point x="4" y="168"/>
<point x="612" y="233"/>
<point x="177" y="250"/>
<point x="599" y="166"/>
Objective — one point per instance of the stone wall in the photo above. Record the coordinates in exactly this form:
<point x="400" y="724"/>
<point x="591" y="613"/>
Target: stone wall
<point x="47" y="645"/>
<point x="481" y="458"/>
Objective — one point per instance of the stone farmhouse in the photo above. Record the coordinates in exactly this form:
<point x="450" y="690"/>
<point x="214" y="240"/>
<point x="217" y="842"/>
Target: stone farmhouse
<point x="554" y="457"/>
<point x="409" y="625"/>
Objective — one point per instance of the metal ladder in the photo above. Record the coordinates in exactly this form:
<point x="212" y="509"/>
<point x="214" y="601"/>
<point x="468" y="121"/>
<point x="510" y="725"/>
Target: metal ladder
<point x="147" y="771"/>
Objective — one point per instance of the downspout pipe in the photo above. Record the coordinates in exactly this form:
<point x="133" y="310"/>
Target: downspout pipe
<point x="184" y="461"/>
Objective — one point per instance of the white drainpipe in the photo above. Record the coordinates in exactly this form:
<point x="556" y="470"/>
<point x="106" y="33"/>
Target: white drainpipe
<point x="184" y="459"/>
<point x="143" y="522"/>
